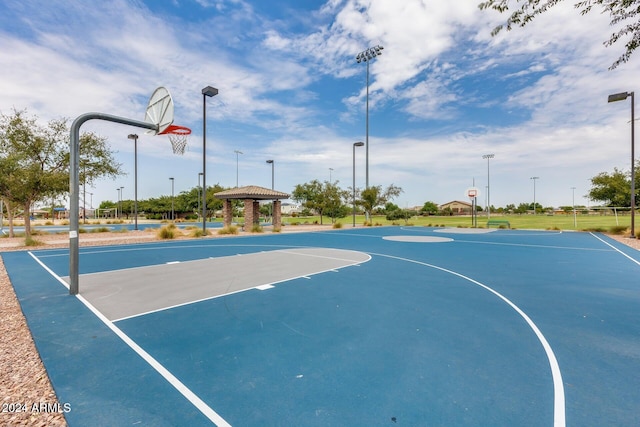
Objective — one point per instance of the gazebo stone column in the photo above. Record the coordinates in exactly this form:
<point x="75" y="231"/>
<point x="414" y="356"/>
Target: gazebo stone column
<point x="277" y="214"/>
<point x="248" y="214"/>
<point x="256" y="213"/>
<point x="227" y="212"/>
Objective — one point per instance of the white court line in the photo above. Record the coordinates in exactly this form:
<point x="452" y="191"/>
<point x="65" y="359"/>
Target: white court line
<point x="615" y="249"/>
<point x="205" y="409"/>
<point x="525" y="245"/>
<point x="149" y="246"/>
<point x="355" y="263"/>
<point x="559" y="418"/>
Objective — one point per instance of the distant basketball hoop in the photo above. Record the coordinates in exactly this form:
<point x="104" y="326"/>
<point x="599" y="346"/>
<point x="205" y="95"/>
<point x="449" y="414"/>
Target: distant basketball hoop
<point x="178" y="136"/>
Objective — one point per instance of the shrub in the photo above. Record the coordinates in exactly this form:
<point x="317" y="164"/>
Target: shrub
<point x="256" y="228"/>
<point x="100" y="230"/>
<point x="232" y="229"/>
<point x="617" y="229"/>
<point x="166" y="233"/>
<point x="30" y="241"/>
<point x="337" y="225"/>
<point x="276" y="230"/>
<point x="198" y="232"/>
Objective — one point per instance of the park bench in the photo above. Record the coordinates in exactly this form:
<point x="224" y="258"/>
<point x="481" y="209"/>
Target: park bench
<point x="501" y="223"/>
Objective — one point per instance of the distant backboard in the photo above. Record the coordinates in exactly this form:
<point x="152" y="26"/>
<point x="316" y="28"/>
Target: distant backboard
<point x="160" y="110"/>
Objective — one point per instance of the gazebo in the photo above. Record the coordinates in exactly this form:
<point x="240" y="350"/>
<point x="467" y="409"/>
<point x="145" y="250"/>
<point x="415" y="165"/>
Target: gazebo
<point x="251" y="195"/>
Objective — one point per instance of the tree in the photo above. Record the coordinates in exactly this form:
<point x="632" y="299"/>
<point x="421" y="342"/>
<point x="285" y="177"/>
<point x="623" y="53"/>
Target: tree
<point x="619" y="10"/>
<point x="614" y="189"/>
<point x="373" y="197"/>
<point x="429" y="208"/>
<point x="34" y="160"/>
<point x="323" y="198"/>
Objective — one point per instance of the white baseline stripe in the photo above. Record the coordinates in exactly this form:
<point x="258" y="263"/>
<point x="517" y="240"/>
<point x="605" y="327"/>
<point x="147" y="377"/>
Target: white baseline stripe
<point x="615" y="249"/>
<point x="559" y="419"/>
<point x="175" y="382"/>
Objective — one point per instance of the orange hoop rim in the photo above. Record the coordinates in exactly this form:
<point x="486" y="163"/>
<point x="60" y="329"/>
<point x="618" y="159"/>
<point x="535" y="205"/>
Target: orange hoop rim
<point x="176" y="130"/>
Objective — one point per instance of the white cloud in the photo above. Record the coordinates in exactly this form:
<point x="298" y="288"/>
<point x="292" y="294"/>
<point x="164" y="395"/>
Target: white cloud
<point x="294" y="92"/>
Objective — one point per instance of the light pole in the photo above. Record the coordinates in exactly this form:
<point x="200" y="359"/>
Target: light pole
<point x="619" y="97"/>
<point x="272" y="163"/>
<point x="330" y="170"/>
<point x="199" y="192"/>
<point x="135" y="178"/>
<point x="355" y="144"/>
<point x="488" y="157"/>
<point x="210" y="92"/>
<point x="172" y="211"/>
<point x="573" y="202"/>
<point x="534" y="178"/>
<point x="118" y="204"/>
<point x="238" y="152"/>
<point x="366" y="56"/>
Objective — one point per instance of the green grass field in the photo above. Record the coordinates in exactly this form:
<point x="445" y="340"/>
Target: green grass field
<point x="605" y="223"/>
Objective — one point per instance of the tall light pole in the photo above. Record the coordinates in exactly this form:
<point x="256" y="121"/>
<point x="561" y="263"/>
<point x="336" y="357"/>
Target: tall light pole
<point x="199" y="192"/>
<point x="366" y="56"/>
<point x="488" y="157"/>
<point x="573" y="202"/>
<point x="135" y="178"/>
<point x="619" y="97"/>
<point x="355" y="144"/>
<point x="118" y="204"/>
<point x="272" y="163"/>
<point x="238" y="152"/>
<point x="172" y="211"/>
<point x="330" y="170"/>
<point x="210" y="92"/>
<point x="534" y="178"/>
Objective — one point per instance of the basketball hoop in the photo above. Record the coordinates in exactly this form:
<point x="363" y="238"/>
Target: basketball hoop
<point x="472" y="192"/>
<point x="179" y="136"/>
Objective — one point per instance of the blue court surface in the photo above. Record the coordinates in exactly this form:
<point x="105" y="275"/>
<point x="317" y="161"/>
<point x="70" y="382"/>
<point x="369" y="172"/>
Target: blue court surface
<point x="385" y="326"/>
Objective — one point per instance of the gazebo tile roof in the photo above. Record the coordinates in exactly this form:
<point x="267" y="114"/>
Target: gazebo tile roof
<point x="251" y="192"/>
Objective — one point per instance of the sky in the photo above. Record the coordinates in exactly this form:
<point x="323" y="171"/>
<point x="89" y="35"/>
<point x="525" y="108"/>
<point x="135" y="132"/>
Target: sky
<point x="443" y="93"/>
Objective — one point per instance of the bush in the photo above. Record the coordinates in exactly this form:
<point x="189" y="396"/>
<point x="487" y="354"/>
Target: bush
<point x="198" y="232"/>
<point x="166" y="232"/>
<point x="232" y="229"/>
<point x="596" y="229"/>
<point x="337" y="225"/>
<point x="256" y="228"/>
<point x="99" y="230"/>
<point x="618" y="229"/>
<point x="30" y="241"/>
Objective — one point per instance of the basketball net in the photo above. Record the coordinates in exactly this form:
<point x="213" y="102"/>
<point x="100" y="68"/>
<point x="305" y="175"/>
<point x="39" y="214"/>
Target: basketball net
<point x="178" y="136"/>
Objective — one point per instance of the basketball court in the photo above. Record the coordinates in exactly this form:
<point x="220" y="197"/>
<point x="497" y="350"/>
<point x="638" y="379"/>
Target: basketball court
<point x="367" y="326"/>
